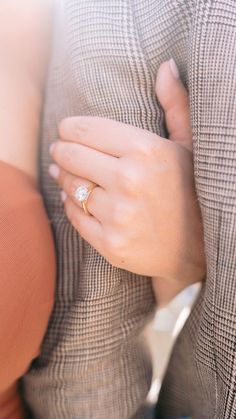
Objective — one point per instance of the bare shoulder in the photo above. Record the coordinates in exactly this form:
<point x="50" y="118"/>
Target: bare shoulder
<point x="24" y="48"/>
<point x="24" y="30"/>
<point x="26" y="12"/>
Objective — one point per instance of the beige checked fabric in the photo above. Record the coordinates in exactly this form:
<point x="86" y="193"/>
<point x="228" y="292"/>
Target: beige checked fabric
<point x="93" y="364"/>
<point x="201" y="378"/>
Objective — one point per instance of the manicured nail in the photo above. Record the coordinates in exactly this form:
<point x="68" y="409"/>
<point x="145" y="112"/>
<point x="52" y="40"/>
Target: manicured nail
<point x="54" y="171"/>
<point x="63" y="196"/>
<point x="52" y="146"/>
<point x="174" y="69"/>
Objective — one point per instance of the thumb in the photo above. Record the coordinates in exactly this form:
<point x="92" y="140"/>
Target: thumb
<point x="174" y="99"/>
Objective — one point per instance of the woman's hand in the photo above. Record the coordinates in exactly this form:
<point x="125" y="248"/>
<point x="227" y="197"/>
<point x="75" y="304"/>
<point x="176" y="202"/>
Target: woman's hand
<point x="145" y="216"/>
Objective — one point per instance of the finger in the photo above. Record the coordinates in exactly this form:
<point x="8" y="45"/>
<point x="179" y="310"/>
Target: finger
<point x="105" y="135"/>
<point x="85" y="162"/>
<point x="174" y="99"/>
<point x="88" y="227"/>
<point x="97" y="203"/>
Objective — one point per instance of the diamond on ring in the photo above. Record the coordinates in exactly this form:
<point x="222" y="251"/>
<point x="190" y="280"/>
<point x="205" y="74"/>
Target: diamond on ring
<point x="82" y="194"/>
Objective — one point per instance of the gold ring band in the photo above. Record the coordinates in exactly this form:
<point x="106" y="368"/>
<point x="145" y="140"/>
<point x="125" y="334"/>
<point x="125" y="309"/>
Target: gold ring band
<point x="82" y="194"/>
<point x="84" y="203"/>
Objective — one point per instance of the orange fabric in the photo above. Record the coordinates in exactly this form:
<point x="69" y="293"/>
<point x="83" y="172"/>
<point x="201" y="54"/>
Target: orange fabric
<point x="27" y="280"/>
<point x="10" y="404"/>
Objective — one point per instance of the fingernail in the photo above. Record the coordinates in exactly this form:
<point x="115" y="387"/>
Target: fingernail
<point x="174" y="69"/>
<point x="54" y="171"/>
<point x="51" y="149"/>
<point x="63" y="196"/>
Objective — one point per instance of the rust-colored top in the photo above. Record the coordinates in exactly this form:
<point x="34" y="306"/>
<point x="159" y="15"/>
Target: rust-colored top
<point x="27" y="279"/>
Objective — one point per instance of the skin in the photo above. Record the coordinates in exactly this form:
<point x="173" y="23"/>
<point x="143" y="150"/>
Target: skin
<point x="24" y="35"/>
<point x="24" y="42"/>
<point x="132" y="166"/>
<point x="144" y="211"/>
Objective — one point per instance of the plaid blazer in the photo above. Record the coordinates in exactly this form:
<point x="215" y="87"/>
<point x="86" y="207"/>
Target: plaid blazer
<point x="201" y="377"/>
<point x="93" y="364"/>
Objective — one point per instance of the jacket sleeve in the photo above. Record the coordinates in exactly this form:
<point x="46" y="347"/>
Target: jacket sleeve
<point x="200" y="380"/>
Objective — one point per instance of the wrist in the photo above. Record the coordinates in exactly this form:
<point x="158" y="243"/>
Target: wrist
<point x="166" y="288"/>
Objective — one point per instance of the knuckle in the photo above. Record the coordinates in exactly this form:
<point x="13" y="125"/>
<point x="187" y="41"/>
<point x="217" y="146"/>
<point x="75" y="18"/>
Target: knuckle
<point x="131" y="178"/>
<point x="63" y="153"/>
<point x="146" y="148"/>
<point x="67" y="153"/>
<point x="147" y="144"/>
<point x="134" y="181"/>
<point x="83" y="132"/>
<point x="73" y="127"/>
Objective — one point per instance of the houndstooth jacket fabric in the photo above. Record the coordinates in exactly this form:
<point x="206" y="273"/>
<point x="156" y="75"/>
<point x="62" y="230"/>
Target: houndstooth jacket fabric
<point x="93" y="363"/>
<point x="201" y="377"/>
